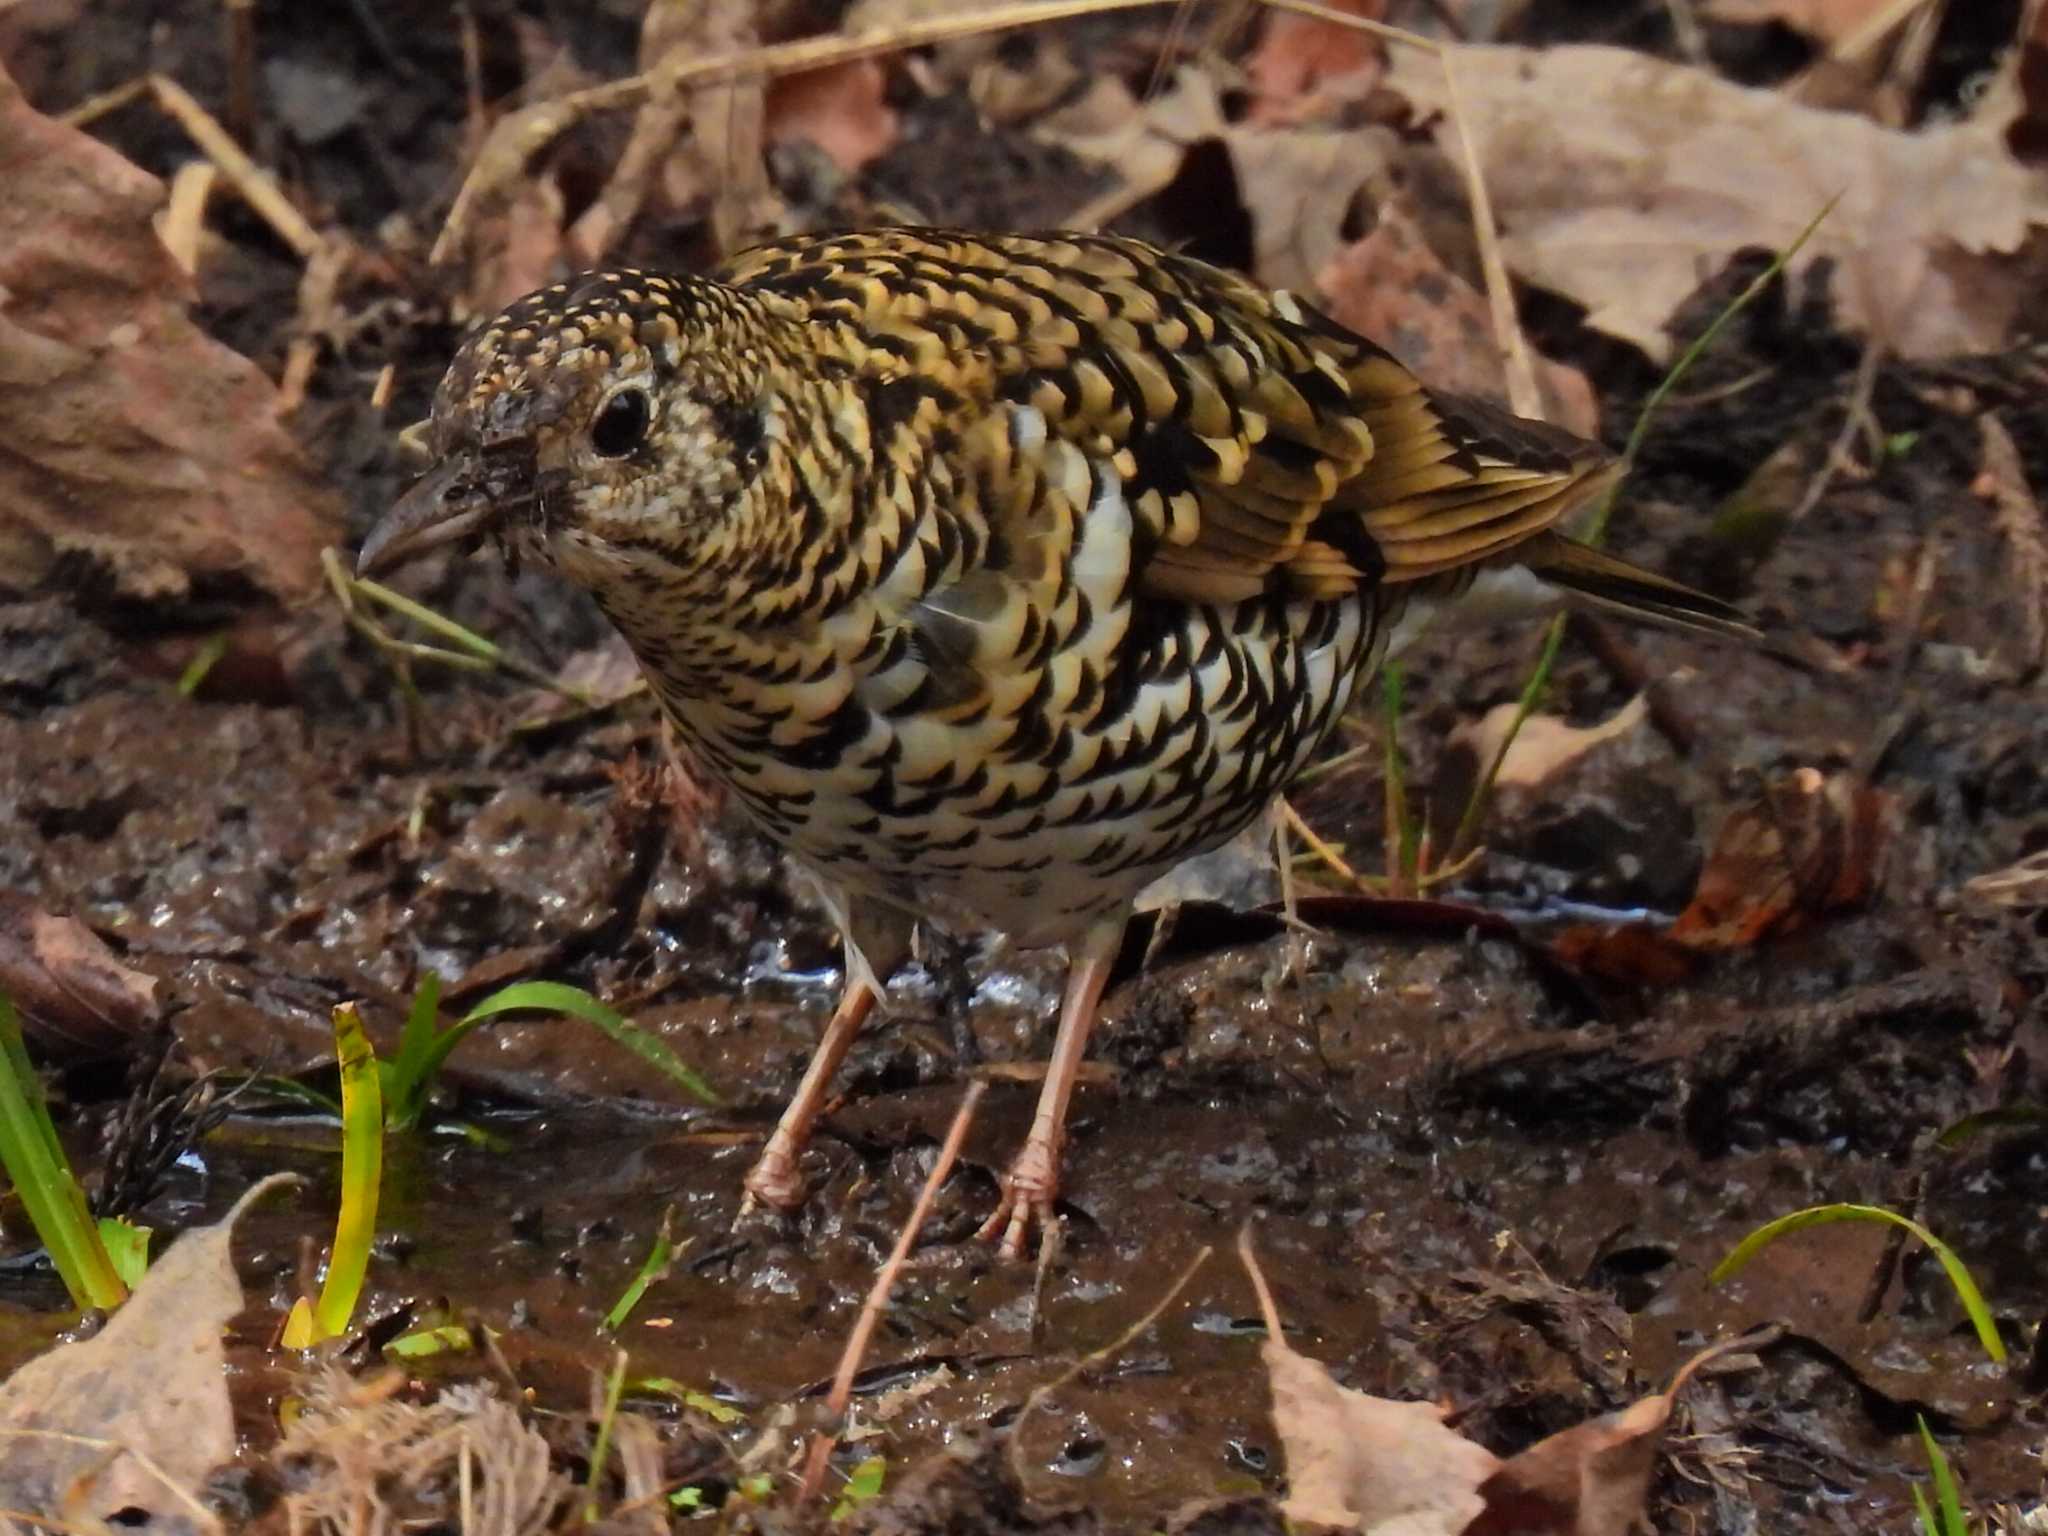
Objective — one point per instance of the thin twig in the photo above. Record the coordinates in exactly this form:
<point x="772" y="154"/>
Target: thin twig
<point x="1113" y="1348"/>
<point x="856" y="1349"/>
<point x="243" y="174"/>
<point x="518" y="137"/>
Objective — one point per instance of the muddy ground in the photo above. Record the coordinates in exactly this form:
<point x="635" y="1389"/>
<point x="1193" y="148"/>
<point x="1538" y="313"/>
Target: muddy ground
<point x="1476" y="1173"/>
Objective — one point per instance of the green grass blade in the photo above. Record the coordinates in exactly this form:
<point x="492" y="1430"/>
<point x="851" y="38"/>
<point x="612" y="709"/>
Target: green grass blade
<point x="1404" y="835"/>
<point x="127" y="1247"/>
<point x="559" y="997"/>
<point x="1945" y="1493"/>
<point x="691" y="1397"/>
<point x="1927" y="1524"/>
<point x="1990" y="1119"/>
<point x="1818" y="1215"/>
<point x="1596" y="530"/>
<point x="601" y="1449"/>
<point x="426" y="1343"/>
<point x="203" y="661"/>
<point x="409" y="1075"/>
<point x="660" y="1258"/>
<point x="362" y="1173"/>
<point x="42" y="1176"/>
<point x="863" y="1486"/>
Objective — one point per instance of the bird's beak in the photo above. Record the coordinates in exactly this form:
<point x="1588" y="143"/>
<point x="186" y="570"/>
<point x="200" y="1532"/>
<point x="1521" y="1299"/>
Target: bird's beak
<point x="453" y="502"/>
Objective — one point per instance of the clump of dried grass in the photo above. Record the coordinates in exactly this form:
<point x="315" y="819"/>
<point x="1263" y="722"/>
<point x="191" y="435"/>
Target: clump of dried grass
<point x="362" y="1461"/>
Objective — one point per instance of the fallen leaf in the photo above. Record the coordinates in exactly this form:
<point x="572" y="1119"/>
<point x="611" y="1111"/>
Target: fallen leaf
<point x="1546" y="745"/>
<point x="135" y="1417"/>
<point x="1594" y="1478"/>
<point x="523" y="246"/>
<point x="2022" y="885"/>
<point x="1826" y="21"/>
<point x="1620" y="180"/>
<point x="1298" y="57"/>
<point x="1362" y="1463"/>
<point x="67" y="983"/>
<point x="138" y="448"/>
<point x="1393" y="287"/>
<point x="1809" y="845"/>
<point x="1634" y="953"/>
<point x="842" y="108"/>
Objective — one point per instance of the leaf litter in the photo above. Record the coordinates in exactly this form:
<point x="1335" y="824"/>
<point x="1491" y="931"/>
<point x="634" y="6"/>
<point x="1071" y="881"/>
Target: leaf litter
<point x="1384" y="1467"/>
<point x="1802" y="852"/>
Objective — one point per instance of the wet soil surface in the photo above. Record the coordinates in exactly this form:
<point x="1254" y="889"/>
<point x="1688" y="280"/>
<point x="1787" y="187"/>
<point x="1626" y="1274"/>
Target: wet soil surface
<point x="1476" y="1173"/>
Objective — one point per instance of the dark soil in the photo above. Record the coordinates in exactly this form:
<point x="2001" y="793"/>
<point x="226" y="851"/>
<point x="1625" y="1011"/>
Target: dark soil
<point x="1474" y="1174"/>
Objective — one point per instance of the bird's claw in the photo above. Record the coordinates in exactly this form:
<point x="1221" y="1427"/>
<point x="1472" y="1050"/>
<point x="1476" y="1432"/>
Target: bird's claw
<point x="1030" y="1189"/>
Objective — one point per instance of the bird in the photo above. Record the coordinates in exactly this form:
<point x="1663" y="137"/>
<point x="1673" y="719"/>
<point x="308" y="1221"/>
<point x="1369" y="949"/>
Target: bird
<point x="995" y="575"/>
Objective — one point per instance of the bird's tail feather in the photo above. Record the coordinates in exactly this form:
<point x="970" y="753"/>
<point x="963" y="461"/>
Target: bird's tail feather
<point x="1592" y="578"/>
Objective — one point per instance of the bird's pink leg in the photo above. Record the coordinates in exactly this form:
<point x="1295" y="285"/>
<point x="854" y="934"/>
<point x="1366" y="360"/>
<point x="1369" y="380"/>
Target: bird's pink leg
<point x="1033" y="1182"/>
<point x="775" y="1180"/>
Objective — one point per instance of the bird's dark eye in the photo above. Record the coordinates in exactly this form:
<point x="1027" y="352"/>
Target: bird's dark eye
<point x="622" y="423"/>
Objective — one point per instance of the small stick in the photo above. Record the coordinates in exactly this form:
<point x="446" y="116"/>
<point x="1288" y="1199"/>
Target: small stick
<point x="93" y="108"/>
<point x="245" y="175"/>
<point x="1249" y="1259"/>
<point x="241" y="24"/>
<point x="878" y="1294"/>
<point x="182" y="222"/>
<point x="318" y="285"/>
<point x="519" y="136"/>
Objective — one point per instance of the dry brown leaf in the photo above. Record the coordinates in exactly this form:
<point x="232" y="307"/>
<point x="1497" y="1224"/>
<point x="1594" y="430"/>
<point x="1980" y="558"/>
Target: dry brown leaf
<point x="1633" y="953"/>
<point x="523" y="246"/>
<point x="841" y="108"/>
<point x="1362" y="1463"/>
<point x="1393" y="287"/>
<point x="1621" y="181"/>
<point x="1298" y="57"/>
<point x="1546" y="744"/>
<point x="2003" y="483"/>
<point x="1809" y="845"/>
<point x="135" y="442"/>
<point x="137" y="1415"/>
<point x="1827" y="21"/>
<point x="2022" y="886"/>
<point x="67" y="983"/>
<point x="1594" y="1478"/>
<point x="1298" y="184"/>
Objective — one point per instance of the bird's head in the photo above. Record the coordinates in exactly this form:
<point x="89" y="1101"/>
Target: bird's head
<point x="610" y="426"/>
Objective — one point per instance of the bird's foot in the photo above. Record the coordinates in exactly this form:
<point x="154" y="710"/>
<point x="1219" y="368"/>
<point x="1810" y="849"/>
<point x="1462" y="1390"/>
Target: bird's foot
<point x="1029" y="1190"/>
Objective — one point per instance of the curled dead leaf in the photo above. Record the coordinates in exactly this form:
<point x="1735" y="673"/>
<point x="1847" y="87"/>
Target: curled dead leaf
<point x="1810" y="844"/>
<point x="1594" y="1478"/>
<point x="72" y="991"/>
<point x="137" y="445"/>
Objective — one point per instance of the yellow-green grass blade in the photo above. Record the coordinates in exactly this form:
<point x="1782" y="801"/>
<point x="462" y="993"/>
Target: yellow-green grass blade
<point x="1818" y="1215"/>
<point x="42" y="1177"/>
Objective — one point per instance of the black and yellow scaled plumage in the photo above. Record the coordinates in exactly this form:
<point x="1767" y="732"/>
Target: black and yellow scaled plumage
<point x="995" y="575"/>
